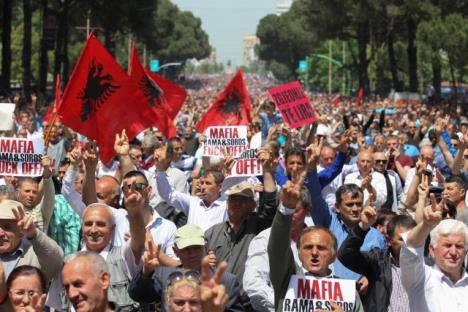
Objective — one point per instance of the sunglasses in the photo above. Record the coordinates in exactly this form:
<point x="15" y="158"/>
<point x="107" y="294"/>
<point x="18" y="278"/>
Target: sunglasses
<point x="465" y="156"/>
<point x="180" y="275"/>
<point x="380" y="161"/>
<point x="138" y="187"/>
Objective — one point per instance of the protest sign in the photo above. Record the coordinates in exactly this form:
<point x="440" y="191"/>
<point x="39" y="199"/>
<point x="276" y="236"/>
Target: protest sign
<point x="221" y="140"/>
<point x="6" y="116"/>
<point x="293" y="104"/>
<point x="247" y="164"/>
<point x="21" y="157"/>
<point x="308" y="293"/>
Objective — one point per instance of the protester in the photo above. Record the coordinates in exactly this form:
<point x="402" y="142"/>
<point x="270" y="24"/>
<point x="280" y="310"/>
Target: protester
<point x="149" y="284"/>
<point x="316" y="248"/>
<point x="86" y="279"/>
<point x="352" y="160"/>
<point x="27" y="289"/>
<point x="443" y="286"/>
<point x="381" y="267"/>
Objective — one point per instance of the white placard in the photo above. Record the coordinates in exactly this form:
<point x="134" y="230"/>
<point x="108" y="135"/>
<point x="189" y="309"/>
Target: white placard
<point x="309" y="293"/>
<point x="221" y="140"/>
<point x="21" y="157"/>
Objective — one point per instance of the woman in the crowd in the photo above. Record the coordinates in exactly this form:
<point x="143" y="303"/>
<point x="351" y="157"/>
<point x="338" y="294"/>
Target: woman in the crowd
<point x="27" y="289"/>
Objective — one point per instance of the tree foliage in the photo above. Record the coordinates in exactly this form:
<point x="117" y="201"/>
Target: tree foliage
<point x="390" y="44"/>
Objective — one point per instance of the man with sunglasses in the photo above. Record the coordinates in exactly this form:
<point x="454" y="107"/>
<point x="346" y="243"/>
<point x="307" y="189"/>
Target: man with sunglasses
<point x="149" y="284"/>
<point x="392" y="181"/>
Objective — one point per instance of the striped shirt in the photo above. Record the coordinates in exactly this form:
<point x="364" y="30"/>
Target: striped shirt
<point x="65" y="226"/>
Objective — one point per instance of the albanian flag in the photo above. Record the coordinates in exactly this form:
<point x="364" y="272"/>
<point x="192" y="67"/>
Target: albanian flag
<point x="232" y="107"/>
<point x="155" y="95"/>
<point x="173" y="95"/>
<point x="360" y="97"/>
<point x="100" y="100"/>
<point x="335" y="101"/>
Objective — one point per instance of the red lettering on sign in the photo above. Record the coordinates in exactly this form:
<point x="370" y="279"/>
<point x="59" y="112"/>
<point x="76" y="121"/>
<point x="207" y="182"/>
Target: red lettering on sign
<point x="337" y="293"/>
<point x="303" y="288"/>
<point x="223" y="133"/>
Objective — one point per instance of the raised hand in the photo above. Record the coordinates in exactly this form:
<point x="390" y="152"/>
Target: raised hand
<point x="163" y="161"/>
<point x="47" y="165"/>
<point x="266" y="158"/>
<point x="90" y="157"/>
<point x="37" y="303"/>
<point x="313" y="154"/>
<point x="291" y="192"/>
<point x="423" y="187"/>
<point x="345" y="141"/>
<point x="150" y="257"/>
<point x="75" y="156"/>
<point x="433" y="213"/>
<point x="211" y="258"/>
<point x="213" y="294"/>
<point x="368" y="216"/>
<point x="366" y="182"/>
<point x="121" y="144"/>
<point x="25" y="224"/>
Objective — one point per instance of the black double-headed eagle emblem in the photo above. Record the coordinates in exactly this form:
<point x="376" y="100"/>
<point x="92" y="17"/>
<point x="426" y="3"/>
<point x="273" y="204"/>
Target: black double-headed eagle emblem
<point x="231" y="103"/>
<point x="98" y="89"/>
<point x="152" y="92"/>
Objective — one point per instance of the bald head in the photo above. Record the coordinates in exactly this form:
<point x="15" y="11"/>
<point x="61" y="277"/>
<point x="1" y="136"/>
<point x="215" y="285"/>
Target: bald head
<point x="365" y="162"/>
<point x="327" y="155"/>
<point x="108" y="191"/>
<point x="98" y="227"/>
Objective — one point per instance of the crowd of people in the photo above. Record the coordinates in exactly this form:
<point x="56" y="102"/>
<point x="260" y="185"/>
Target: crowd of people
<point x="372" y="192"/>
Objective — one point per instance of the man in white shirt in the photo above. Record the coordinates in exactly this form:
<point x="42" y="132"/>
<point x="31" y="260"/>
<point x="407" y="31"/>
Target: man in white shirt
<point x="392" y="180"/>
<point x="444" y="286"/>
<point x="204" y="210"/>
<point x="371" y="182"/>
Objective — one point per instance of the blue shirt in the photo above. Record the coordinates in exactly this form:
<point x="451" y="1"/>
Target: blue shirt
<point x="267" y="123"/>
<point x="330" y="220"/>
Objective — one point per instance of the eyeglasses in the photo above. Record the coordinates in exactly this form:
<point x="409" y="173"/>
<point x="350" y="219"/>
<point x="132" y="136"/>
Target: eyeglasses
<point x="179" y="275"/>
<point x="138" y="187"/>
<point x="465" y="156"/>
<point x="23" y="292"/>
<point x="380" y="161"/>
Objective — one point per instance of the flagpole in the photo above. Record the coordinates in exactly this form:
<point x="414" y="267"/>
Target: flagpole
<point x="54" y="113"/>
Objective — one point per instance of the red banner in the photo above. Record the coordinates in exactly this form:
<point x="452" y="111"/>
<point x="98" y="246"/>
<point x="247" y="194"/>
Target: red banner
<point x="293" y="104"/>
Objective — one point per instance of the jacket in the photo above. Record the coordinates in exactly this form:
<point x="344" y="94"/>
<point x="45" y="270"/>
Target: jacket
<point x="282" y="264"/>
<point x="374" y="264"/>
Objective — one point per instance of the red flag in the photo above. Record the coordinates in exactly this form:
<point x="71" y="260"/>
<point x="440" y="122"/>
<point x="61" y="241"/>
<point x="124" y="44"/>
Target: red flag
<point x="154" y="95"/>
<point x="232" y="107"/>
<point x="100" y="100"/>
<point x="51" y="114"/>
<point x="336" y="100"/>
<point x="360" y="97"/>
<point x="173" y="94"/>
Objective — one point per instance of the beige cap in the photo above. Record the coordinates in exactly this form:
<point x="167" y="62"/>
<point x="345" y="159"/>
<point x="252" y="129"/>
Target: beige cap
<point x="189" y="235"/>
<point x="6" y="209"/>
<point x="244" y="188"/>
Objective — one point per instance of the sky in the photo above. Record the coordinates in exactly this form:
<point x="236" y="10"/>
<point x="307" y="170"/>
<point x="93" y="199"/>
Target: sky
<point x="227" y="21"/>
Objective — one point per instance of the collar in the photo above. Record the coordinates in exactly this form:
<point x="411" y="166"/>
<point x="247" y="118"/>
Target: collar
<point x="17" y="252"/>
<point x="329" y="275"/>
<point x="443" y="277"/>
<point x="155" y="220"/>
